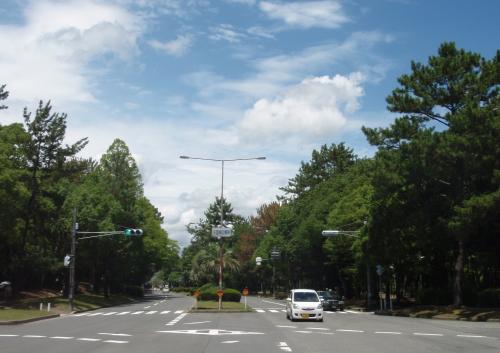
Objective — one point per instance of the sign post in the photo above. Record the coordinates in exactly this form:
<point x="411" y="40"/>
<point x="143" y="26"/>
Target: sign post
<point x="245" y="293"/>
<point x="220" y="293"/>
<point x="196" y="295"/>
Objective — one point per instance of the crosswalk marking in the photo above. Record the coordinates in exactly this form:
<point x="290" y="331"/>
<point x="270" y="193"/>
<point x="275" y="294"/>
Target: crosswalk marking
<point x="110" y="313"/>
<point x="151" y="312"/>
<point x="95" y="314"/>
<point x="179" y="311"/>
<point x="273" y="311"/>
<point x="137" y="312"/>
<point x="260" y="310"/>
<point x="123" y="313"/>
<point x="165" y="312"/>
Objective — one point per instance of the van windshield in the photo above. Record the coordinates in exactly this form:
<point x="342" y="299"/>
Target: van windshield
<point x="305" y="297"/>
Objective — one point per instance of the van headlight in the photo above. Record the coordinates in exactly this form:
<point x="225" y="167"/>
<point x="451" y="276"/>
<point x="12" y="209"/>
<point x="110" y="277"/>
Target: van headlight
<point x="319" y="306"/>
<point x="295" y="306"/>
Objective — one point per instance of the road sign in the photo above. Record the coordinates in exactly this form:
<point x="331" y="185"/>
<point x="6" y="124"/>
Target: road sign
<point x="220" y="293"/>
<point x="221" y="232"/>
<point x="245" y="291"/>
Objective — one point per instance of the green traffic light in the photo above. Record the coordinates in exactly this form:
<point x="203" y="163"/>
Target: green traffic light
<point x="132" y="232"/>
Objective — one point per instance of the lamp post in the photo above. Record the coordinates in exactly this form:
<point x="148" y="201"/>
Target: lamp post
<point x="221" y="265"/>
<point x="355" y="234"/>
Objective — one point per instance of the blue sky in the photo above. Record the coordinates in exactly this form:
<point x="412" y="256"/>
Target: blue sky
<point x="223" y="79"/>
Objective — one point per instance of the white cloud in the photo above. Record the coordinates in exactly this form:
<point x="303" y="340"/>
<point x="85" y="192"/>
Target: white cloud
<point x="261" y="32"/>
<point x="316" y="107"/>
<point x="176" y="47"/>
<point x="307" y="14"/>
<point x="47" y="56"/>
<point x="244" y="2"/>
<point x="226" y="32"/>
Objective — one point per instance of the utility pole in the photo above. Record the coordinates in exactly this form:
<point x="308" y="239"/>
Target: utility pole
<point x="71" y="294"/>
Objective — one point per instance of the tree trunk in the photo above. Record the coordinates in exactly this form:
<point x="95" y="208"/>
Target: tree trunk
<point x="459" y="273"/>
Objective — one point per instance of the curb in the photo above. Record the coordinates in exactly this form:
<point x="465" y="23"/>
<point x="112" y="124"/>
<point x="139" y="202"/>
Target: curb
<point x="212" y="311"/>
<point x="396" y="314"/>
<point x="18" y="322"/>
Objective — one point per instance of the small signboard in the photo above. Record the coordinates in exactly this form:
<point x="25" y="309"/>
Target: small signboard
<point x="245" y="291"/>
<point x="220" y="293"/>
<point x="221" y="232"/>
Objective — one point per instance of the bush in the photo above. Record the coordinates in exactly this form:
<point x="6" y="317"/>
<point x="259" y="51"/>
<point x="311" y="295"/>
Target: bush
<point x="134" y="291"/>
<point x="230" y="295"/>
<point x="181" y="289"/>
<point x="489" y="297"/>
<point x="434" y="296"/>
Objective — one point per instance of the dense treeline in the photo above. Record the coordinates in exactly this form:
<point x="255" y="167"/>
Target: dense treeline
<point x="425" y="208"/>
<point x="42" y="180"/>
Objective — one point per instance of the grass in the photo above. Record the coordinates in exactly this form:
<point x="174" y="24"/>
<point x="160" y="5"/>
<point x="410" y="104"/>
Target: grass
<point x="21" y="314"/>
<point x="226" y="306"/>
<point x="29" y="308"/>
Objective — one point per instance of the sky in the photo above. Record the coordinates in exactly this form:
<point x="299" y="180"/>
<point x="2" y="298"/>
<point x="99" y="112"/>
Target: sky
<point x="223" y="79"/>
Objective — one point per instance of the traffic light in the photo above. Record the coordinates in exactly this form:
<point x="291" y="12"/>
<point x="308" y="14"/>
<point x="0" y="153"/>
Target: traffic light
<point x="130" y="232"/>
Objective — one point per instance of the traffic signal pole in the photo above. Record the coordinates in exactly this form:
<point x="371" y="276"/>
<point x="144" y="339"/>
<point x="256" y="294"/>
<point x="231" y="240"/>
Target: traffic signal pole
<point x="71" y="293"/>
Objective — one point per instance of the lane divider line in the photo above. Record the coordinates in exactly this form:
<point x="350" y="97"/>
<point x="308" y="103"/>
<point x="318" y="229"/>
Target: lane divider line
<point x="388" y="332"/>
<point x="62" y="337"/>
<point x="427" y="334"/>
<point x="342" y="330"/>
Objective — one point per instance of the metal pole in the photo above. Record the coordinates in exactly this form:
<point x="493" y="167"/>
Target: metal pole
<point x="274" y="281"/>
<point x="221" y="224"/>
<point x="368" y="287"/>
<point x="71" y="292"/>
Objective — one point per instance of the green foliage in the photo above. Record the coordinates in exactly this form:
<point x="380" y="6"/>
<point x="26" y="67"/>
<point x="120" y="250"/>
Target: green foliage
<point x="489" y="298"/>
<point x="230" y="295"/>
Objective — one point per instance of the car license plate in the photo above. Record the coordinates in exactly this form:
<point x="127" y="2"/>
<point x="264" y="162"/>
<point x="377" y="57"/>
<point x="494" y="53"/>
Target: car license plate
<point x="304" y="315"/>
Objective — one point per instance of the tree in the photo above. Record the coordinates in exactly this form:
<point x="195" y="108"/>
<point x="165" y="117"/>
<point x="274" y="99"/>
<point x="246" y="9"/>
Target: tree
<point x="3" y="95"/>
<point x="433" y="149"/>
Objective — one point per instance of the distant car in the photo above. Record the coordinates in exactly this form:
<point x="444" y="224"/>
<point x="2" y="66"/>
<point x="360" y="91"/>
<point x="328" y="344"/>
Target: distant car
<point x="304" y="304"/>
<point x="329" y="301"/>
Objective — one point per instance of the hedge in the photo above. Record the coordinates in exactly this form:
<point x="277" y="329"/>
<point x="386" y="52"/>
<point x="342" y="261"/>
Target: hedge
<point x="230" y="295"/>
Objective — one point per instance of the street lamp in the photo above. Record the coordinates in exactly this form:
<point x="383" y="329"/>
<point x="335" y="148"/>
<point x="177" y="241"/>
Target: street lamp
<point x="222" y="200"/>
<point x="355" y="234"/>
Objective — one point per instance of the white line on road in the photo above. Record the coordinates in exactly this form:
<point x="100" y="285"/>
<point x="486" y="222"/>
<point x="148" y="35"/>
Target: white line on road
<point x="114" y="334"/>
<point x="88" y="339"/>
<point x="197" y="322"/>
<point x="9" y="335"/>
<point x="123" y="313"/>
<point x="179" y="312"/>
<point x="147" y="307"/>
<point x="177" y="319"/>
<point x="352" y="311"/>
<point x="112" y="341"/>
<point x="326" y="333"/>
<point x="260" y="310"/>
<point x="62" y="337"/>
<point x="137" y="312"/>
<point x="110" y="313"/>
<point x="95" y="314"/>
<point x="318" y="328"/>
<point x="473" y="336"/>
<point x="284" y="347"/>
<point x="151" y="312"/>
<point x="427" y="334"/>
<point x="342" y="330"/>
<point x="388" y="332"/>
<point x="286" y="326"/>
<point x="267" y="301"/>
<point x="165" y="312"/>
<point x="34" y="336"/>
<point x="283" y="310"/>
<point x="304" y="331"/>
<point x="83" y="314"/>
<point x="229" y="341"/>
<point x="273" y="311"/>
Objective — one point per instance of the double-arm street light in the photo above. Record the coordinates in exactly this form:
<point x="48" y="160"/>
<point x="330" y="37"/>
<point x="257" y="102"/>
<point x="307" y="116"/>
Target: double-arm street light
<point x="355" y="234"/>
<point x="222" y="200"/>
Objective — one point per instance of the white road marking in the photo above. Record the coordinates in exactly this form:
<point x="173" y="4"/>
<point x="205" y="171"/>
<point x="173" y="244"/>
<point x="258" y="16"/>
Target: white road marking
<point x="283" y="310"/>
<point x="286" y="326"/>
<point x="123" y="313"/>
<point x="427" y="334"/>
<point x="177" y="319"/>
<point x="147" y="307"/>
<point x="352" y="311"/>
<point x="229" y="341"/>
<point x="137" y="312"/>
<point x="326" y="333"/>
<point x="156" y="304"/>
<point x="112" y="341"/>
<point x="95" y="314"/>
<point x="110" y="313"/>
<point x="83" y="314"/>
<point x="114" y="334"/>
<point x="9" y="335"/>
<point x="260" y="310"/>
<point x="473" y="336"/>
<point x="34" y="336"/>
<point x="267" y="301"/>
<point x="151" y="312"/>
<point x="62" y="337"/>
<point x="165" y="312"/>
<point x="318" y="328"/>
<point x="88" y="339"/>
<point x="304" y="331"/>
<point x="197" y="322"/>
<point x="273" y="311"/>
<point x="342" y="330"/>
<point x="212" y="332"/>
<point x="284" y="347"/>
<point x="179" y="312"/>
<point x="388" y="332"/>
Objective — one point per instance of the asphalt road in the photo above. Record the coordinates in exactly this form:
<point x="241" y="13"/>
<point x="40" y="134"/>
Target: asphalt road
<point x="162" y="324"/>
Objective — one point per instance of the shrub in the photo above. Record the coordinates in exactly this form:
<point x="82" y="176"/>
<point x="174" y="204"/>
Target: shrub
<point x="134" y="291"/>
<point x="181" y="289"/>
<point x="230" y="295"/>
<point x="434" y="296"/>
<point x="489" y="297"/>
